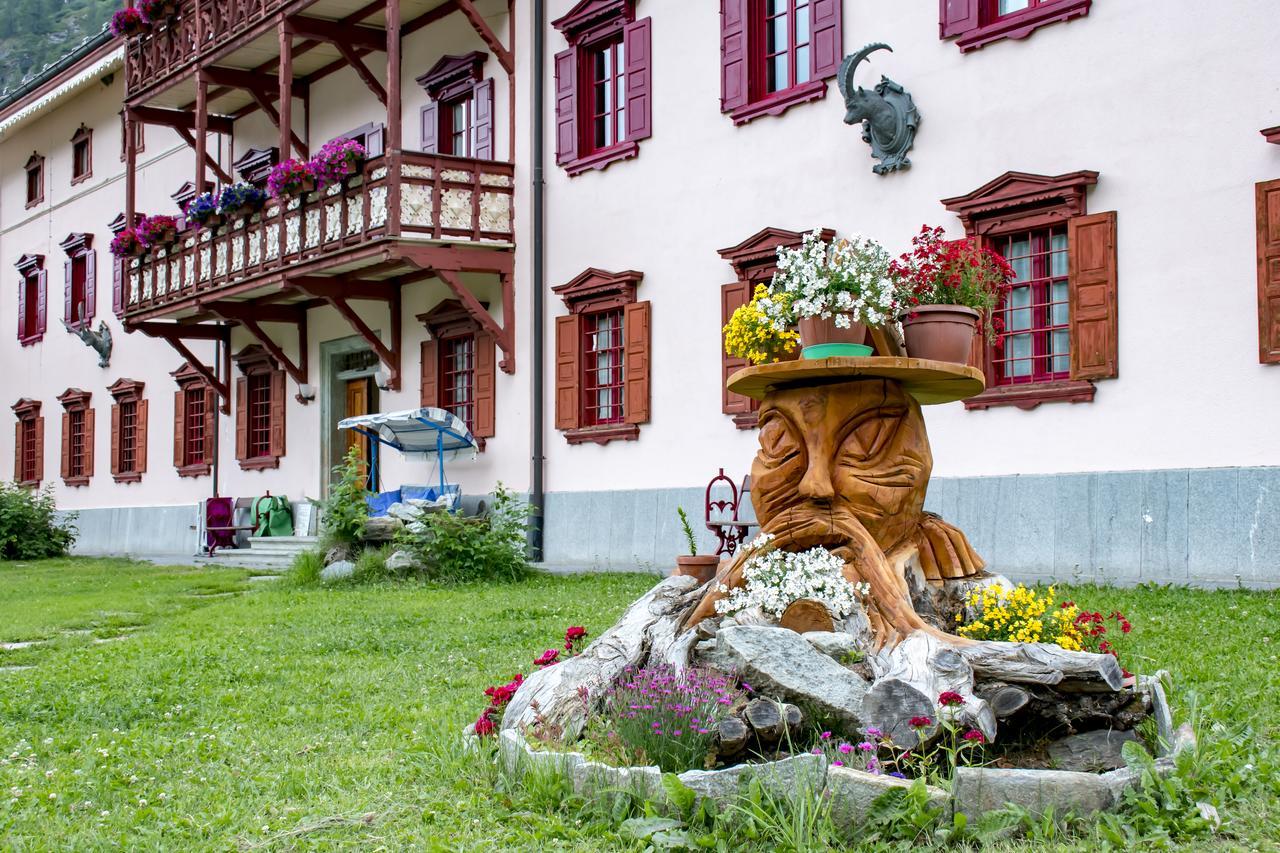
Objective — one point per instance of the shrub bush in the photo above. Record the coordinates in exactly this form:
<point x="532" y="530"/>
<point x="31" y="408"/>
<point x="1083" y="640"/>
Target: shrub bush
<point x="29" y="527"/>
<point x="344" y="511"/>
<point x="454" y="548"/>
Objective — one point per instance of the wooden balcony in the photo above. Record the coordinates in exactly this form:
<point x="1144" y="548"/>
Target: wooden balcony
<point x="425" y="200"/>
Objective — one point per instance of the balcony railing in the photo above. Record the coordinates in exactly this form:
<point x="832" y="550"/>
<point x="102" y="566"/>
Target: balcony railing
<point x="440" y="198"/>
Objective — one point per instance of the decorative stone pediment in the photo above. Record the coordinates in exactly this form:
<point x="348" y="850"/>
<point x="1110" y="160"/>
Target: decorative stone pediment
<point x="118" y="224"/>
<point x="254" y="358"/>
<point x="595" y="289"/>
<point x="35" y="161"/>
<point x="450" y="317"/>
<point x="27" y="263"/>
<point x="75" y="244"/>
<point x="126" y="389"/>
<point x="255" y="164"/>
<point x="593" y="18"/>
<point x="74" y="399"/>
<point x="187" y="375"/>
<point x="1015" y="193"/>
<point x="26" y="408"/>
<point x="453" y="75"/>
<point x="187" y="191"/>
<point x="761" y="248"/>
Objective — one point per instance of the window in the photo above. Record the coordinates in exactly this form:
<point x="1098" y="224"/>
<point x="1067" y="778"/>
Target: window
<point x="35" y="179"/>
<point x="775" y="54"/>
<point x="602" y="358"/>
<point x="977" y="23"/>
<point x="458" y="367"/>
<point x="1056" y="321"/>
<point x="260" y="410"/>
<point x="28" y="443"/>
<point x="128" y="431"/>
<point x="195" y="412"/>
<point x="77" y="437"/>
<point x="458" y="120"/>
<point x="139" y="136"/>
<point x="603" y="97"/>
<point x="32" y="299"/>
<point x="754" y="261"/>
<point x="372" y="135"/>
<point x="1267" y="195"/>
<point x="81" y="155"/>
<point x="80" y="287"/>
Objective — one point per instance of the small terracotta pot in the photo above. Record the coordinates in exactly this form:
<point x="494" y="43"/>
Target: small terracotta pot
<point x="701" y="567"/>
<point x="815" y="331"/>
<point x="940" y="332"/>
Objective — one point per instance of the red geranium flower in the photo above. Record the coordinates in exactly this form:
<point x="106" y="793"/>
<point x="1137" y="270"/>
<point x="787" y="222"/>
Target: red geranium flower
<point x="950" y="697"/>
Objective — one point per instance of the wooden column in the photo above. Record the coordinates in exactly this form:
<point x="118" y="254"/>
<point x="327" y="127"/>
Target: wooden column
<point x="286" y="90"/>
<point x="202" y="131"/>
<point x="130" y="166"/>
<point x="394" y="125"/>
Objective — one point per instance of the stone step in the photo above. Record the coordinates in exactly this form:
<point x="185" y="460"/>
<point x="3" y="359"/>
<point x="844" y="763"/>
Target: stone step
<point x="295" y="541"/>
<point x="244" y="558"/>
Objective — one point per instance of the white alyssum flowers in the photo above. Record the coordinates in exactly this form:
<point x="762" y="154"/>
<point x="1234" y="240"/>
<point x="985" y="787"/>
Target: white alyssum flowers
<point x="775" y="579"/>
<point x="848" y="280"/>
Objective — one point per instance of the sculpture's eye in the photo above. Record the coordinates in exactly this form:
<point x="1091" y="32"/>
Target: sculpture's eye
<point x="778" y="442"/>
<point x="870" y="435"/>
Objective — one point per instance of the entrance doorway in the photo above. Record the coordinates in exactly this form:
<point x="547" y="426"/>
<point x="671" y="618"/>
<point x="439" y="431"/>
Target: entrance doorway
<point x="348" y="367"/>
<point x="359" y="392"/>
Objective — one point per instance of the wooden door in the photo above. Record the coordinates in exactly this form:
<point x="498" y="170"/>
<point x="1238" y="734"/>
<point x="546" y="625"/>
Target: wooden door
<point x="357" y="404"/>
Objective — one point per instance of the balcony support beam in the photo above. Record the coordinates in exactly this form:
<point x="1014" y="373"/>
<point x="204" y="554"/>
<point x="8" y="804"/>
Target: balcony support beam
<point x="177" y="119"/>
<point x="250" y="315"/>
<point x="262" y="96"/>
<point x="482" y="28"/>
<point x="177" y="335"/>
<point x="337" y="293"/>
<point x="284" y="119"/>
<point x="395" y="131"/>
<point x="202" y="132"/>
<point x="338" y="34"/>
<point x="483" y="317"/>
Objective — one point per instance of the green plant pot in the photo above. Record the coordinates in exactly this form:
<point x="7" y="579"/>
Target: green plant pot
<point x="835" y="350"/>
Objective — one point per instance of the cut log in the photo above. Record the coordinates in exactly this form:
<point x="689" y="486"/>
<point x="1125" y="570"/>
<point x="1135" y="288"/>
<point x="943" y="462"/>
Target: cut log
<point x="1039" y="663"/>
<point x="795" y="721"/>
<point x="807" y="615"/>
<point x="552" y="698"/>
<point x="1004" y="699"/>
<point x="732" y="735"/>
<point x="766" y="720"/>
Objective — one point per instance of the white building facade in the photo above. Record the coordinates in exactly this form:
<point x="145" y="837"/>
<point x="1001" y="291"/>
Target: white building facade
<point x="1127" y="430"/>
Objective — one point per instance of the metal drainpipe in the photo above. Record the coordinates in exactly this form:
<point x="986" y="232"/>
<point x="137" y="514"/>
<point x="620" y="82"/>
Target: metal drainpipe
<point x="537" y="497"/>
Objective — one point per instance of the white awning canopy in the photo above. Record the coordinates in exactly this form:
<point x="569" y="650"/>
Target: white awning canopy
<point x="422" y="431"/>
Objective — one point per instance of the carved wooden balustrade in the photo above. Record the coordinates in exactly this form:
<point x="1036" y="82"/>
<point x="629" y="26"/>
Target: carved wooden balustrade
<point x="438" y="198"/>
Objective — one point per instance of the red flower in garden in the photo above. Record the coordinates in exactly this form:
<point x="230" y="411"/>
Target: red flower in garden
<point x="485" y="726"/>
<point x="548" y="658"/>
<point x="975" y="736"/>
<point x="576" y="632"/>
<point x="919" y="722"/>
<point x="950" y="697"/>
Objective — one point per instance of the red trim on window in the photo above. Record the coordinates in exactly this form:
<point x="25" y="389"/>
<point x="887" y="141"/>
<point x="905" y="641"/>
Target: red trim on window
<point x="1272" y="134"/>
<point x="1020" y="24"/>
<point x="779" y="103"/>
<point x="35" y="179"/>
<point x="81" y="155"/>
<point x="458" y="377"/>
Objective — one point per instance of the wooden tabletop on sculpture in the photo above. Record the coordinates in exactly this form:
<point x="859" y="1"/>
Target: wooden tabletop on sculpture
<point x="844" y="463"/>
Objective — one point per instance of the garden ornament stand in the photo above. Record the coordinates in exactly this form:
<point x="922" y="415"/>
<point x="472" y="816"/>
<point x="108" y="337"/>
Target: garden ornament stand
<point x="888" y="114"/>
<point x="844" y="465"/>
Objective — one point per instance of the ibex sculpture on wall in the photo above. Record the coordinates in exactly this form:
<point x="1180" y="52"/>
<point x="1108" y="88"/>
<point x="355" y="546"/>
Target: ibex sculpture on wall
<point x="888" y="114"/>
<point x="99" y="341"/>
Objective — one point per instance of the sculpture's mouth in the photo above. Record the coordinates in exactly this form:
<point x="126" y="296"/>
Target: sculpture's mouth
<point x="801" y="528"/>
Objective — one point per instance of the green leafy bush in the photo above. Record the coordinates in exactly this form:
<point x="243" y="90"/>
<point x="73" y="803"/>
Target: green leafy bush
<point x="344" y="511"/>
<point x="29" y="526"/>
<point x="455" y="548"/>
<point x="305" y="569"/>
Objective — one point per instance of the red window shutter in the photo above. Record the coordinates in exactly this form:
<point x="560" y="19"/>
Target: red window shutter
<point x="88" y="442"/>
<point x="23" y="331"/>
<point x="117" y="287"/>
<point x="734" y="58"/>
<point x="825" y="38"/>
<point x="115" y="439"/>
<point x="635" y="328"/>
<point x="277" y="412"/>
<point x="66" y="445"/>
<point x="429" y="120"/>
<point x="210" y="425"/>
<point x="179" y="428"/>
<point x="430" y="384"/>
<point x="140" y="452"/>
<point x="637" y="40"/>
<point x="90" y="285"/>
<point x="17" y="452"/>
<point x="482" y="119"/>
<point x="568" y="349"/>
<point x="42" y="314"/>
<point x="39" y="448"/>
<point x="485" y="378"/>
<point x="1092" y="297"/>
<point x="732" y="297"/>
<point x="242" y="418"/>
<point x="1268" y="194"/>
<point x="66" y="293"/>
<point x="566" y="106"/>
<point x="957" y="17"/>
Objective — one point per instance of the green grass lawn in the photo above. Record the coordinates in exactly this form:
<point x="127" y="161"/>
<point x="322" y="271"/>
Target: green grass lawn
<point x="289" y="718"/>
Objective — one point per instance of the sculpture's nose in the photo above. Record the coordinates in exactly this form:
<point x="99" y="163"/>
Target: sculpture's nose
<point x="816" y="484"/>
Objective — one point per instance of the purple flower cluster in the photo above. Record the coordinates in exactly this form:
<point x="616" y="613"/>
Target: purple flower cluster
<point x="667" y="717"/>
<point x="289" y="178"/>
<point x="337" y="160"/>
<point x="127" y="22"/>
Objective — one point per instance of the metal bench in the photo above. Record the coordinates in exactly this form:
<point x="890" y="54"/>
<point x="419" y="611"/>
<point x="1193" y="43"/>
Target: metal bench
<point x="724" y="516"/>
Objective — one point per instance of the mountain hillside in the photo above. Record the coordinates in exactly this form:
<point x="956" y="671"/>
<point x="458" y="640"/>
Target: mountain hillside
<point x="34" y="33"/>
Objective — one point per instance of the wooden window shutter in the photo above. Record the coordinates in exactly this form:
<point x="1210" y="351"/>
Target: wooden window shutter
<point x="66" y="292"/>
<point x="39" y="427"/>
<point x="429" y="120"/>
<point x="89" y="415"/>
<point x="115" y="439"/>
<point x="566" y="106"/>
<point x="1268" y="197"/>
<point x="17" y="452"/>
<point x="430" y="385"/>
<point x="637" y="363"/>
<point x="825" y="38"/>
<point x="42" y="314"/>
<point x="482" y="119"/>
<point x="210" y="426"/>
<point x="1092" y="296"/>
<point x="117" y="287"/>
<point x="375" y="141"/>
<point x="485" y="378"/>
<point x="140" y="437"/>
<point x="242" y="418"/>
<point x="734" y="58"/>
<point x="568" y="378"/>
<point x="66" y="445"/>
<point x="957" y="17"/>
<point x="23" y="331"/>
<point x="90" y="285"/>
<point x="732" y="297"/>
<point x="277" y="412"/>
<point x="179" y="428"/>
<point x="637" y="40"/>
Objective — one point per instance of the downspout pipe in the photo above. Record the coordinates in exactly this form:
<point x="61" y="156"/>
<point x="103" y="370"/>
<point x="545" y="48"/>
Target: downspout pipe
<point x="537" y="488"/>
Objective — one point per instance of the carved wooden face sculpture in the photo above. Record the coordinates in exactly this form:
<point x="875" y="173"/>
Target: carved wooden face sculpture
<point x="835" y="456"/>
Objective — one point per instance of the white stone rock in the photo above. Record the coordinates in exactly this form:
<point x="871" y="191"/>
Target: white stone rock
<point x="837" y="645"/>
<point x="978" y="790"/>
<point x="592" y="777"/>
<point x="782" y="779"/>
<point x="402" y="563"/>
<point x="516" y="757"/>
<point x="337" y="571"/>
<point x="852" y="792"/>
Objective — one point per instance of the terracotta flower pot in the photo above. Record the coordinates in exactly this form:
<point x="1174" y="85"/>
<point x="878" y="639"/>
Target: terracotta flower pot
<point x="821" y="338"/>
<point x="702" y="566"/>
<point x="940" y="332"/>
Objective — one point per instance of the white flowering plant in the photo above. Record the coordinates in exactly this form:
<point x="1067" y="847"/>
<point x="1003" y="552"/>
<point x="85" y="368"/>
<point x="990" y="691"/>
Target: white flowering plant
<point x="847" y="279"/>
<point x="773" y="580"/>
